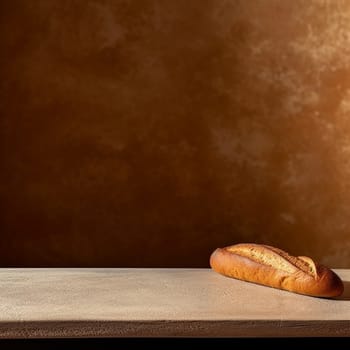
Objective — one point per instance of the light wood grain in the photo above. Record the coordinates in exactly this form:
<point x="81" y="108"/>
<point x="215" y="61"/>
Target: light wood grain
<point x="159" y="302"/>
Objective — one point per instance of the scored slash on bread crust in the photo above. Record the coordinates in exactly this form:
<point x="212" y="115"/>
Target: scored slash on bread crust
<point x="274" y="257"/>
<point x="276" y="268"/>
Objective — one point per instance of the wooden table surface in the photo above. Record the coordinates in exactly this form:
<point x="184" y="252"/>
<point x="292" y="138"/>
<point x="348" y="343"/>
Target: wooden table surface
<point x="109" y="302"/>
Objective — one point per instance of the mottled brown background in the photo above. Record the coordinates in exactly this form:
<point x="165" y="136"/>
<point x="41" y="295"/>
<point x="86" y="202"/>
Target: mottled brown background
<point x="147" y="133"/>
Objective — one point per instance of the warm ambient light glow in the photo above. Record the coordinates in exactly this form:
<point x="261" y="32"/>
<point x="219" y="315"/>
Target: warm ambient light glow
<point x="170" y="128"/>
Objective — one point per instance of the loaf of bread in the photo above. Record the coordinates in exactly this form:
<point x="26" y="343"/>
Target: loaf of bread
<point x="275" y="268"/>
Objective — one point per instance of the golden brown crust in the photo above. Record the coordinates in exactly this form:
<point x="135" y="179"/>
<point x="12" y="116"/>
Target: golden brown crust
<point x="275" y="268"/>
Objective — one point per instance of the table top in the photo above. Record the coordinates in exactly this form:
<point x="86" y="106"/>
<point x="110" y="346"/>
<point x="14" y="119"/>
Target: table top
<point x="111" y="302"/>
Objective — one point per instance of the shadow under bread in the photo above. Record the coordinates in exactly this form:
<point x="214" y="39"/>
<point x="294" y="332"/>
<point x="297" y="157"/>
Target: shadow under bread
<point x="346" y="293"/>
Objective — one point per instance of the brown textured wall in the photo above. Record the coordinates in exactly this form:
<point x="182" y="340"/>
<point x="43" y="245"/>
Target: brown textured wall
<point x="147" y="133"/>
